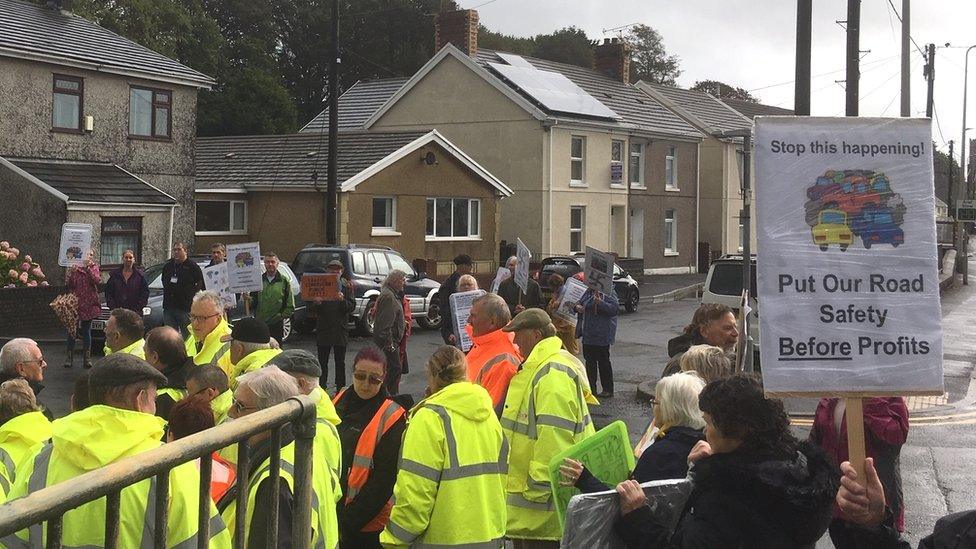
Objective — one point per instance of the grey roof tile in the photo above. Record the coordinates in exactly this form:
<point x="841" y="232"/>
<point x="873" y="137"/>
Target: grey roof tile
<point x="635" y="107"/>
<point x="289" y="160"/>
<point x="357" y="104"/>
<point x="90" y="182"/>
<point x="34" y="29"/>
<point x="716" y="115"/>
<point x="753" y="110"/>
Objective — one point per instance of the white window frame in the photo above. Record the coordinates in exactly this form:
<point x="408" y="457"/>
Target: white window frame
<point x="618" y="162"/>
<point x="389" y="230"/>
<point x="574" y="159"/>
<point x="581" y="229"/>
<point x="641" y="155"/>
<point x="230" y="206"/>
<point x="671" y="184"/>
<point x="471" y="236"/>
<point x="671" y="227"/>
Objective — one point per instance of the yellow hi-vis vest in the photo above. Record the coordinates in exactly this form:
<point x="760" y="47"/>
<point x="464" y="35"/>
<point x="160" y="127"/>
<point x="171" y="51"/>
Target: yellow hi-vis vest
<point x="450" y="490"/>
<point x="136" y="348"/>
<point x="545" y="412"/>
<point x="17" y="436"/>
<point x="213" y="349"/>
<point x="249" y="363"/>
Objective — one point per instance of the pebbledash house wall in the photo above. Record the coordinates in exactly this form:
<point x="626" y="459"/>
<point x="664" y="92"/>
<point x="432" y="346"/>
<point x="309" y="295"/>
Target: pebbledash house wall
<point x="25" y="124"/>
<point x="30" y="214"/>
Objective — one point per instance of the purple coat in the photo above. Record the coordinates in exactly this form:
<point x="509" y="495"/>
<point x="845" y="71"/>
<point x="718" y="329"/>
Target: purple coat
<point x="132" y="294"/>
<point x="83" y="282"/>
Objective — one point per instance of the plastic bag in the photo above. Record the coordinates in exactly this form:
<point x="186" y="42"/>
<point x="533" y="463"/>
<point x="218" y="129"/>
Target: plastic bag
<point x="590" y="517"/>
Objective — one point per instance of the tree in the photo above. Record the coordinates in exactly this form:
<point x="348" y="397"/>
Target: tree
<point x="724" y="91"/>
<point x="651" y="61"/>
<point x="568" y="45"/>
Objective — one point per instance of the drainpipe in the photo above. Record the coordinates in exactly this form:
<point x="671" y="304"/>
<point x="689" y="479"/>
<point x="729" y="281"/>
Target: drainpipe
<point x="549" y="125"/>
<point x="697" y="206"/>
<point x="169" y="245"/>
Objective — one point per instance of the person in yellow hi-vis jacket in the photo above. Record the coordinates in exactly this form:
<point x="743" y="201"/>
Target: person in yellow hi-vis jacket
<point x="207" y="327"/>
<point x="450" y="490"/>
<point x="22" y="426"/>
<point x="545" y="412"/>
<point x="118" y="424"/>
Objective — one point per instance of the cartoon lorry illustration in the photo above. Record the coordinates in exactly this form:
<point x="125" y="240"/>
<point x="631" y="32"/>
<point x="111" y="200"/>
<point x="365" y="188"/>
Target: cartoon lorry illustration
<point x="831" y="228"/>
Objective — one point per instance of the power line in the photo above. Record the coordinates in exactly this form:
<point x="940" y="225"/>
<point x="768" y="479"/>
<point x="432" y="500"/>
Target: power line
<point x="935" y="115"/>
<point x="875" y="62"/>
<point x="910" y="37"/>
<point x="371" y="62"/>
<point x="483" y="4"/>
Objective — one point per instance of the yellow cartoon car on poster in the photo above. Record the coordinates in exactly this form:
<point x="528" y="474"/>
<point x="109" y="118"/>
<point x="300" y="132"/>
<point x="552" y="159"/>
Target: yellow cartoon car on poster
<point x="831" y="228"/>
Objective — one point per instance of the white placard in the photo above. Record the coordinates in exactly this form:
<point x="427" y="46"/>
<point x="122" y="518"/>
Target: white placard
<point x="522" y="269"/>
<point x="599" y="270"/>
<point x="244" y="268"/>
<point x="215" y="278"/>
<point x="847" y="264"/>
<point x="502" y="275"/>
<point x="76" y="240"/>
<point x="461" y="310"/>
<point x="570" y="294"/>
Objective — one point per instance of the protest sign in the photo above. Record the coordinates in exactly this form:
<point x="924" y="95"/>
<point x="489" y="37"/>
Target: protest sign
<point x="215" y="278"/>
<point x="847" y="261"/>
<point x="76" y="240"/>
<point x="522" y="269"/>
<point x="244" y="267"/>
<point x="502" y="275"/>
<point x="322" y="287"/>
<point x="461" y="310"/>
<point x="599" y="270"/>
<point x="571" y="293"/>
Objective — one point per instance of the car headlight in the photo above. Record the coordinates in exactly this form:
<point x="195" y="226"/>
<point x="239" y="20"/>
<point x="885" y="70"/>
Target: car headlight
<point x="146" y="311"/>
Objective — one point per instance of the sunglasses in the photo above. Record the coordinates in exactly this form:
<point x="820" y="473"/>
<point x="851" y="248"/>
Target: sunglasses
<point x="363" y="376"/>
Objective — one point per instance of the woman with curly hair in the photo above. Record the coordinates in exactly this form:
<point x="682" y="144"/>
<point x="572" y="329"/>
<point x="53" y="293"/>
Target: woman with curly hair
<point x="754" y="485"/>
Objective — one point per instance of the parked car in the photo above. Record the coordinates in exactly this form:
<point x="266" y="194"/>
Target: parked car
<point x="626" y="288"/>
<point x="152" y="314"/>
<point x="366" y="266"/>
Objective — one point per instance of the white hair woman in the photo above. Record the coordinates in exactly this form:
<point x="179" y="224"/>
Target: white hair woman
<point x="709" y="361"/>
<point x="680" y="424"/>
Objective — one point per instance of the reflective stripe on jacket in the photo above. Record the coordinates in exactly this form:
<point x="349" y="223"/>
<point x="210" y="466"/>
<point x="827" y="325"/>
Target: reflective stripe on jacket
<point x="492" y="362"/>
<point x="450" y="490"/>
<point x="545" y="412"/>
<point x="17" y="437"/>
<point x="213" y="349"/>
<point x="362" y="462"/>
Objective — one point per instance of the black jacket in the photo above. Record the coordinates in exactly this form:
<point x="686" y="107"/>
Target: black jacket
<point x="356" y="413"/>
<point x="175" y="379"/>
<point x="510" y="292"/>
<point x="745" y="501"/>
<point x="665" y="459"/>
<point x="955" y="531"/>
<point x="448" y="288"/>
<point x="331" y="317"/>
<point x="676" y="349"/>
<point x="189" y="280"/>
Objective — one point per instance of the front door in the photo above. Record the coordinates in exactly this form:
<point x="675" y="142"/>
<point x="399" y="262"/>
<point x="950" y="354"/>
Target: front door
<point x="636" y="233"/>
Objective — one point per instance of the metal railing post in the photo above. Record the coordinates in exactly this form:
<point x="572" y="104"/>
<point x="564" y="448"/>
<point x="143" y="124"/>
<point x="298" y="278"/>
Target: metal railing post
<point x="274" y="476"/>
<point x="161" y="520"/>
<point x="304" y="430"/>
<point x="54" y="532"/>
<point x="112" y="512"/>
<point x="203" y="523"/>
<point x="243" y="486"/>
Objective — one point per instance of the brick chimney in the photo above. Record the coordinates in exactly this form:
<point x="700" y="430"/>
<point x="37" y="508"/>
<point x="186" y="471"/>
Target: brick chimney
<point x="612" y="58"/>
<point x="458" y="27"/>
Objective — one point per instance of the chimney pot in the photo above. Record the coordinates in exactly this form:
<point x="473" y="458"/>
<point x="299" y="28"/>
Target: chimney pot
<point x="606" y="41"/>
<point x="458" y="27"/>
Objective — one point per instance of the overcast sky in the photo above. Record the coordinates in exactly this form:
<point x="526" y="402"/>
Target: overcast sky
<point x="751" y="43"/>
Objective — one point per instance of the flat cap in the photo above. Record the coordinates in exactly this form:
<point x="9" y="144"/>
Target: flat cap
<point x="121" y="369"/>
<point x="248" y="330"/>
<point x="529" y="319"/>
<point x="298" y="361"/>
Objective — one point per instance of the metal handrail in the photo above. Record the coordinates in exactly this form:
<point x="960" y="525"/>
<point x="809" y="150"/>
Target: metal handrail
<point x="50" y="503"/>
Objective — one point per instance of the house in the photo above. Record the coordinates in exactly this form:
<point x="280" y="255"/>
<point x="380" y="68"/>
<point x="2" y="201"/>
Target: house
<point x="357" y="104"/>
<point x="720" y="164"/>
<point x="96" y="129"/>
<point x="752" y="110"/>
<point x="587" y="154"/>
<point x="416" y="192"/>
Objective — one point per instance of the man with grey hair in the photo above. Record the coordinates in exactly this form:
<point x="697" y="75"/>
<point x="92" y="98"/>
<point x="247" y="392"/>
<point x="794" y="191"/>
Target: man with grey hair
<point x="494" y="359"/>
<point x="256" y="391"/>
<point x="22" y="426"/>
<point x="518" y="300"/>
<point x="389" y="326"/>
<point x="250" y="348"/>
<point x="21" y="358"/>
<point x="207" y="328"/>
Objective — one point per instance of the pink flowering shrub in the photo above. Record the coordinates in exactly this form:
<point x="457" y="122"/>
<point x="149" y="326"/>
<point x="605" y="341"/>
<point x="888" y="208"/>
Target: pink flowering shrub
<point x="18" y="271"/>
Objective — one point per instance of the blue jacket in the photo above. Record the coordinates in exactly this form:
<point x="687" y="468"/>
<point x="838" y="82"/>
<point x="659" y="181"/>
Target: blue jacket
<point x="597" y="323"/>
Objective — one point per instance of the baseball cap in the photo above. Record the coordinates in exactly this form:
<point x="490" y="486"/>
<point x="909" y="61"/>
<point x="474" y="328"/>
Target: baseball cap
<point x="529" y="319"/>
<point x="298" y="361"/>
<point x="248" y="330"/>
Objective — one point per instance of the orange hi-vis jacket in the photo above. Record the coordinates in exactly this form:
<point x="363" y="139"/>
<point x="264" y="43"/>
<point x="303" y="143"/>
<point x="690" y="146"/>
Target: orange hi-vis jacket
<point x="362" y="461"/>
<point x="492" y="363"/>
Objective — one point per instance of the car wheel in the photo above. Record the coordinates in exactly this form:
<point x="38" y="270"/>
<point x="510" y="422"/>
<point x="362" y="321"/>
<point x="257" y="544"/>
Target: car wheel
<point x="286" y="329"/>
<point x="823" y="248"/>
<point x="895" y="244"/>
<point x="433" y="319"/>
<point x="367" y="320"/>
<point x="843" y="247"/>
<point x="633" y="300"/>
<point x="867" y="244"/>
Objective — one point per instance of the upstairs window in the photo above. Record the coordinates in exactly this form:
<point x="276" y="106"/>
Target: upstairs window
<point x="670" y="173"/>
<point x="616" y="162"/>
<point x="636" y="167"/>
<point x="68" y="102"/>
<point x="577" y="152"/>
<point x="221" y="216"/>
<point x="150" y="113"/>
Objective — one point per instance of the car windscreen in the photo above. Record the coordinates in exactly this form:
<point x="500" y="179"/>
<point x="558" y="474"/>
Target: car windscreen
<point x="727" y="279"/>
<point x="314" y="261"/>
<point x="397" y="262"/>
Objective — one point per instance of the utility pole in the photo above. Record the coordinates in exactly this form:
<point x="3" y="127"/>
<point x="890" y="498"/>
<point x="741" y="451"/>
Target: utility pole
<point x="952" y="192"/>
<point x="331" y="194"/>
<point x="906" y="38"/>
<point x="801" y="88"/>
<point x="930" y="76"/>
<point x="853" y="55"/>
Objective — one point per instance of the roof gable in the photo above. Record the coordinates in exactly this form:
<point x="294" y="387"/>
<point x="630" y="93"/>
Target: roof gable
<point x="752" y="110"/>
<point x="357" y="104"/>
<point x="31" y="31"/>
<point x="701" y="109"/>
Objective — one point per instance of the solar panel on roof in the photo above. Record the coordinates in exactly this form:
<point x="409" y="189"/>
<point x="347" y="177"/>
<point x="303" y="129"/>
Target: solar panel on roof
<point x="514" y="60"/>
<point x="553" y="91"/>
